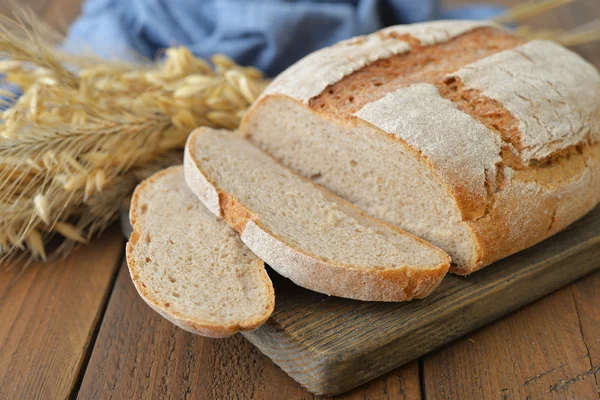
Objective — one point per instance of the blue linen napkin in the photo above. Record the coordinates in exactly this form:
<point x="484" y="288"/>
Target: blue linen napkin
<point x="268" y="34"/>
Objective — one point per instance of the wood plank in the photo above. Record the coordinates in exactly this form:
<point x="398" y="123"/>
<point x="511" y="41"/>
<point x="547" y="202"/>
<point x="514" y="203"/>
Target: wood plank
<point x="48" y="314"/>
<point x="331" y="344"/>
<point x="586" y="294"/>
<point x="400" y="384"/>
<point x="138" y="354"/>
<point x="531" y="354"/>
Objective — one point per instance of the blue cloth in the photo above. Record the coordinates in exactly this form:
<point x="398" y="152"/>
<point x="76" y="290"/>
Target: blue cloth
<point x="269" y="34"/>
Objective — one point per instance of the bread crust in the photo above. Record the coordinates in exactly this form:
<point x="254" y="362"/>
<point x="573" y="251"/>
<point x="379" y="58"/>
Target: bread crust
<point x="310" y="271"/>
<point x="523" y="206"/>
<point x="340" y="280"/>
<point x="314" y="73"/>
<point x="492" y="236"/>
<point x="193" y="325"/>
<point x="537" y="210"/>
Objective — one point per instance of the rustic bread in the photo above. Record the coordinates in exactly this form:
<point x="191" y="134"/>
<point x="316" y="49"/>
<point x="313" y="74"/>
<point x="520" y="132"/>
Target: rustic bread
<point x="190" y="266"/>
<point x="457" y="131"/>
<point x="304" y="232"/>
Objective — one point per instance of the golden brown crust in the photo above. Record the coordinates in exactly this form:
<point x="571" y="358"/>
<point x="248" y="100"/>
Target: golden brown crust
<point x="233" y="212"/>
<point x="194" y="325"/>
<point x="391" y="285"/>
<point x="536" y="209"/>
<point x="422" y="64"/>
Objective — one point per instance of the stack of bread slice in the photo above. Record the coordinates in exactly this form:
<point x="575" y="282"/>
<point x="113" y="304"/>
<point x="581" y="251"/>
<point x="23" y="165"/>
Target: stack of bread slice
<point x="457" y="132"/>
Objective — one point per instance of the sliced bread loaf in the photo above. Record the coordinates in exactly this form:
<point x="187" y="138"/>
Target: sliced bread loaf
<point x="304" y="232"/>
<point x="190" y="266"/>
<point x="457" y="131"/>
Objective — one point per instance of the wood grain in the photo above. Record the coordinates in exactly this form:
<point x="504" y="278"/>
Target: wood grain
<point x="48" y="314"/>
<point x="537" y="352"/>
<point x="138" y="354"/>
<point x="331" y="344"/>
<point x="586" y="294"/>
<point x="545" y="347"/>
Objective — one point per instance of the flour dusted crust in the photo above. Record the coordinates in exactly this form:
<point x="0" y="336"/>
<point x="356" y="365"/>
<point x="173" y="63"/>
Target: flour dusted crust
<point x="311" y="75"/>
<point x="206" y="191"/>
<point x="512" y="193"/>
<point x="526" y="212"/>
<point x="553" y="94"/>
<point x="430" y="33"/>
<point x="464" y="152"/>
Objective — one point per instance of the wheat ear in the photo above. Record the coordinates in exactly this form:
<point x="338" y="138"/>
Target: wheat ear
<point x="84" y="131"/>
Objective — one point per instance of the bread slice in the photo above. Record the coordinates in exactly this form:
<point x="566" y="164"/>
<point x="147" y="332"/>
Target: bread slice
<point x="304" y="232"/>
<point x="190" y="266"/>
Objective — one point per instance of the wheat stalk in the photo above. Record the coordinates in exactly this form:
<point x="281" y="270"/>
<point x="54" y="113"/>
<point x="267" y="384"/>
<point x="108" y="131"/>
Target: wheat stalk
<point x="529" y="9"/>
<point x="84" y="131"/>
<point x="568" y="38"/>
<point x="586" y="33"/>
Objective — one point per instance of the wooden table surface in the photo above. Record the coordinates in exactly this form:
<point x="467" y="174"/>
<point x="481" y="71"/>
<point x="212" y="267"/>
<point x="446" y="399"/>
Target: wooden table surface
<point x="77" y="328"/>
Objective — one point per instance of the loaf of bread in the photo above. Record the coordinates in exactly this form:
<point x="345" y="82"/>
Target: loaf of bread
<point x="304" y="232"/>
<point x="190" y="266"/>
<point x="456" y="131"/>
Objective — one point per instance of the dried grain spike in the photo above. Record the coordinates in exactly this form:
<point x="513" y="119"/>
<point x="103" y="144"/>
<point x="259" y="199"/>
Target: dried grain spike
<point x="69" y="231"/>
<point x="42" y="208"/>
<point x="35" y="244"/>
<point x="79" y="134"/>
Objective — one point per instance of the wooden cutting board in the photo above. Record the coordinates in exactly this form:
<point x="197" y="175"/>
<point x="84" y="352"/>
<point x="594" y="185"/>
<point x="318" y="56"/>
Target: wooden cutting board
<point x="330" y="345"/>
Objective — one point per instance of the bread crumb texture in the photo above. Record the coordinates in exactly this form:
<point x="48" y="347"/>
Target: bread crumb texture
<point x="192" y="267"/>
<point x="295" y="210"/>
<point x="307" y="234"/>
